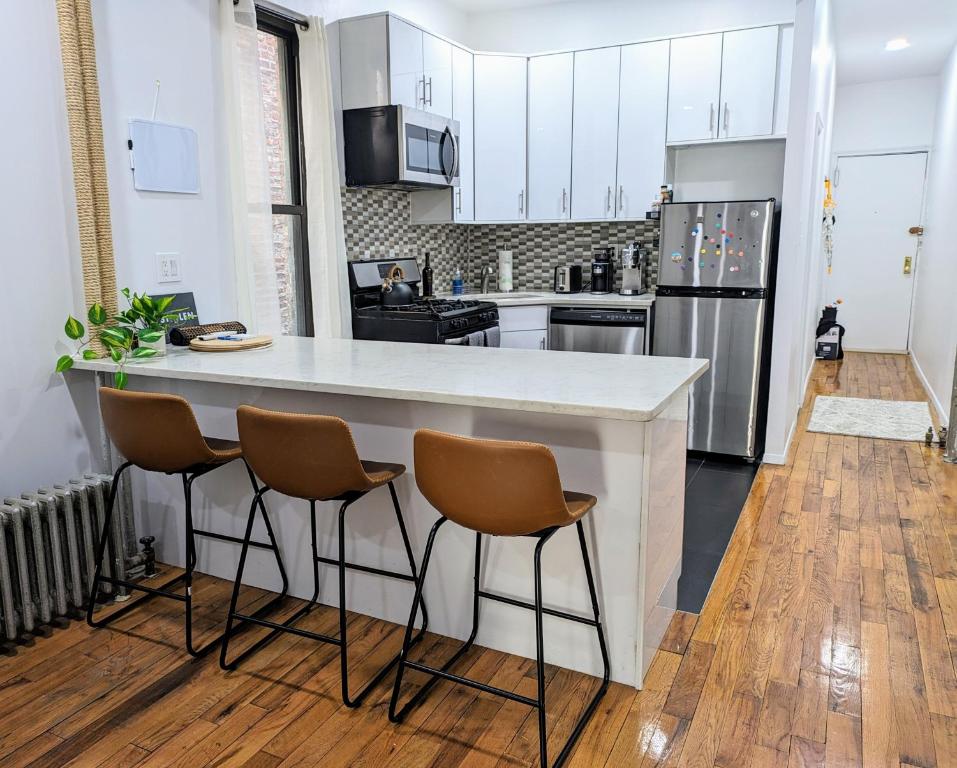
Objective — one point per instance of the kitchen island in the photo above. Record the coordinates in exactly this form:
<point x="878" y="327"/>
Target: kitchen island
<point x="617" y="425"/>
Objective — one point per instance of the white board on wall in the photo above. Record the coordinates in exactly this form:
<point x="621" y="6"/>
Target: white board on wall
<point x="164" y="157"/>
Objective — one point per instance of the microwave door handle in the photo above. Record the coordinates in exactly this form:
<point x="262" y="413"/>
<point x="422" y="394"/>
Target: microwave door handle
<point x="450" y="175"/>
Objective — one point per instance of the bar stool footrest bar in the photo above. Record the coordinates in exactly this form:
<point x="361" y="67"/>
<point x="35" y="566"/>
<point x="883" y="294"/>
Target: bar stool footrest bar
<point x="531" y="606"/>
<point x="233" y="539"/>
<point x="472" y="683"/>
<point x="366" y="569"/>
<point x="288" y="626"/>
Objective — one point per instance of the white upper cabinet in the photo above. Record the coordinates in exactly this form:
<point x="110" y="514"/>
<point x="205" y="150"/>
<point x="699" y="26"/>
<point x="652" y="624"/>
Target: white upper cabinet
<point x="748" y="75"/>
<point x="695" y="85"/>
<point x="783" y="96"/>
<point x="549" y="135"/>
<point x="500" y="104"/>
<point x="595" y="133"/>
<point x="437" y="74"/>
<point x="642" y="118"/>
<point x="463" y="199"/>
<point x="405" y="64"/>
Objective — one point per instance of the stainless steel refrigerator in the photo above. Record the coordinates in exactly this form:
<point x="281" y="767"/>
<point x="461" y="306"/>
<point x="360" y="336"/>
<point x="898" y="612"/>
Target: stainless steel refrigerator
<point x="713" y="300"/>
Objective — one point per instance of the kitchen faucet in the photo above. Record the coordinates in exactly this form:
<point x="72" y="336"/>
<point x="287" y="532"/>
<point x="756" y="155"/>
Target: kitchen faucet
<point x="487" y="273"/>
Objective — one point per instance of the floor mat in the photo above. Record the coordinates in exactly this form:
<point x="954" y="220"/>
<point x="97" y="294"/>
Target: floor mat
<point x="888" y="419"/>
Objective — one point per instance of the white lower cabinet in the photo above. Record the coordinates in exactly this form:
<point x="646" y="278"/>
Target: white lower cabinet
<point x="525" y="339"/>
<point x="524" y="327"/>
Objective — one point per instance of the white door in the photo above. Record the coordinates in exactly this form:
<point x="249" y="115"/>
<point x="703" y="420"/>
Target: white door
<point x="642" y="120"/>
<point x="695" y="84"/>
<point x="549" y="135"/>
<point x="879" y="197"/>
<point x="749" y="61"/>
<point x="437" y="73"/>
<point x="595" y="133"/>
<point x="500" y="137"/>
<point x="405" y="63"/>
<point x="462" y="94"/>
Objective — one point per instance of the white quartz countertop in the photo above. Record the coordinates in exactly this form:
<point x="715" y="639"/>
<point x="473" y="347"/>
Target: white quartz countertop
<point x="625" y="387"/>
<point x="551" y="299"/>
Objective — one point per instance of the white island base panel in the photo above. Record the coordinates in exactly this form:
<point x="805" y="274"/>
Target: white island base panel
<point x="636" y="469"/>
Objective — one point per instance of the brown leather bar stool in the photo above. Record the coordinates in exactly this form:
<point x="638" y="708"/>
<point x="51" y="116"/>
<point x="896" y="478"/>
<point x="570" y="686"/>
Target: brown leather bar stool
<point x="499" y="488"/>
<point x="159" y="433"/>
<point x="314" y="458"/>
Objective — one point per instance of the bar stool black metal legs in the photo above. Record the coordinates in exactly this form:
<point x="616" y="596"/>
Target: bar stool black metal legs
<point x="289" y="625"/>
<point x="163" y="590"/>
<point x="435" y="673"/>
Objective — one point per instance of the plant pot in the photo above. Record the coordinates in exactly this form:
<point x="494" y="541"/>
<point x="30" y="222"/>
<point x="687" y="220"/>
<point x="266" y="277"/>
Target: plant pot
<point x="159" y="346"/>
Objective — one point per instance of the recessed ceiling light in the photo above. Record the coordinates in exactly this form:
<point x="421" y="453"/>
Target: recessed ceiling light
<point x="897" y="44"/>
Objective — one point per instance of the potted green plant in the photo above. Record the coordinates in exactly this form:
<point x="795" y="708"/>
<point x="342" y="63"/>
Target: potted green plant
<point x="136" y="333"/>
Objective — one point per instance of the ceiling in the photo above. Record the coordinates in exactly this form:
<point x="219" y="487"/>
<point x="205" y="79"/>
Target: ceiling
<point x="482" y="6"/>
<point x="863" y="27"/>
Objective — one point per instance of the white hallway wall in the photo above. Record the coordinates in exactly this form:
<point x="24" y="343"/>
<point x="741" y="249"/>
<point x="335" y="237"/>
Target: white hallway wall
<point x="934" y="331"/>
<point x="908" y="104"/>
<point x="593" y="23"/>
<point x="806" y="161"/>
<point x="41" y="438"/>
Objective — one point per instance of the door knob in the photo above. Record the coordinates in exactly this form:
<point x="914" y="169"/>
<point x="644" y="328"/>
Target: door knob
<point x="908" y="264"/>
<point x="916" y="231"/>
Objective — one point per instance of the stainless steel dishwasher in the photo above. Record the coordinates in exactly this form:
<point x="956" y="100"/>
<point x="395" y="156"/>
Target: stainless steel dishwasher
<point x="592" y="329"/>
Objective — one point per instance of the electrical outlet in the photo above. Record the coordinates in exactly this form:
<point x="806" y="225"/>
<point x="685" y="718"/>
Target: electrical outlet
<point x="168" y="268"/>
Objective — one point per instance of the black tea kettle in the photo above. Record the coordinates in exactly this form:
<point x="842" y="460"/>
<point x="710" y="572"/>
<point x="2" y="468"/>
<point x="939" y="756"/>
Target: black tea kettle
<point x="396" y="292"/>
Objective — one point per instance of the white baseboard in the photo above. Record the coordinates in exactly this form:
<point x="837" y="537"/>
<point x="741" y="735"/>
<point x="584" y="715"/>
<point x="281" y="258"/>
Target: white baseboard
<point x="942" y="413"/>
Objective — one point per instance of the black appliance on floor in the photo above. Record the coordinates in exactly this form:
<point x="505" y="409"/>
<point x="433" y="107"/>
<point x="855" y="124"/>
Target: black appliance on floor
<point x="426" y="320"/>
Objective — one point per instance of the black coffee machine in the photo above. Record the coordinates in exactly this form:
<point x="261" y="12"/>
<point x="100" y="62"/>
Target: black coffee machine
<point x="603" y="270"/>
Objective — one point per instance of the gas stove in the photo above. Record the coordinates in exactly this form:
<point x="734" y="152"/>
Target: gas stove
<point x="427" y="320"/>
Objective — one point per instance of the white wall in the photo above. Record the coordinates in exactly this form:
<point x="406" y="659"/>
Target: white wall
<point x="934" y="334"/>
<point x="176" y="42"/>
<point x="41" y="439"/>
<point x="591" y="23"/>
<point x="885" y="115"/>
<point x="800" y="258"/>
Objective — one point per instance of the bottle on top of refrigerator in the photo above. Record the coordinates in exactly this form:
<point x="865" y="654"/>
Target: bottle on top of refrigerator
<point x="458" y="284"/>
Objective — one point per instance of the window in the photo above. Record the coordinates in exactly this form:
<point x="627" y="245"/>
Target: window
<point x="279" y="78"/>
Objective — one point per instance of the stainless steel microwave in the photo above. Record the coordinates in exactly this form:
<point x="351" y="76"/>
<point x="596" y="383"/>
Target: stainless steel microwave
<point x="400" y="148"/>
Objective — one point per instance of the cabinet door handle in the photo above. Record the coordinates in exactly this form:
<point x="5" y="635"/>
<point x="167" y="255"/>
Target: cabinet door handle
<point x="541" y="343"/>
<point x="430" y="91"/>
<point x="459" y="206"/>
<point x="621" y="197"/>
<point x="564" y="199"/>
<point x="521" y="201"/>
<point x="608" y="201"/>
<point x="726" y="111"/>
<point x="711" y="119"/>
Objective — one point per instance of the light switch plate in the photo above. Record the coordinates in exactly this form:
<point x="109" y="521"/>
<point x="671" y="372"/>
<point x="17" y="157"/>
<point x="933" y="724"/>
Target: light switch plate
<point x="168" y="268"/>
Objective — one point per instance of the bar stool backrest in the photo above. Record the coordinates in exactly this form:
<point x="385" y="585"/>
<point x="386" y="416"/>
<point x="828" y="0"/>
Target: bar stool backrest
<point x="302" y="455"/>
<point x="498" y="487"/>
<point x="156" y="432"/>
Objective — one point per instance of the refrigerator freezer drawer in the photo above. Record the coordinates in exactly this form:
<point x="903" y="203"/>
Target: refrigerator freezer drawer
<point x="723" y="405"/>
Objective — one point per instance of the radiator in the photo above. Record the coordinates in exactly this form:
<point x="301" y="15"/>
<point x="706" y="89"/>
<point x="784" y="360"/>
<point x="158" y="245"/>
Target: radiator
<point x="47" y="548"/>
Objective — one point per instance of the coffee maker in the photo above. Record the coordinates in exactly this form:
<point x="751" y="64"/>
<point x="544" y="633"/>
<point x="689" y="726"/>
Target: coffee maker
<point x="603" y="270"/>
<point x="634" y="258"/>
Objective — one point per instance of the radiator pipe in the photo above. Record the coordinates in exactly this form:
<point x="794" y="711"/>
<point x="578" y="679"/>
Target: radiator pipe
<point x="64" y="498"/>
<point x="28" y="614"/>
<point x="52" y="547"/>
<point x="31" y="513"/>
<point x="79" y="490"/>
<point x="6" y="578"/>
<point x="116" y="532"/>
<point x="950" y="447"/>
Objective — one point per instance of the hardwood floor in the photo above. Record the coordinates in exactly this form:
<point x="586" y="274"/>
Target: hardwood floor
<point x="828" y="638"/>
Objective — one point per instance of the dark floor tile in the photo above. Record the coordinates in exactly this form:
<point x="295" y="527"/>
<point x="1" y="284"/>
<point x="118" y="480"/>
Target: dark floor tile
<point x="697" y="573"/>
<point x="691" y="469"/>
<point x="708" y="528"/>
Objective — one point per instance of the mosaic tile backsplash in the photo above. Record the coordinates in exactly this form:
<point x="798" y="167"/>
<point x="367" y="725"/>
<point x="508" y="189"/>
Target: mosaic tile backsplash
<point x="378" y="225"/>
